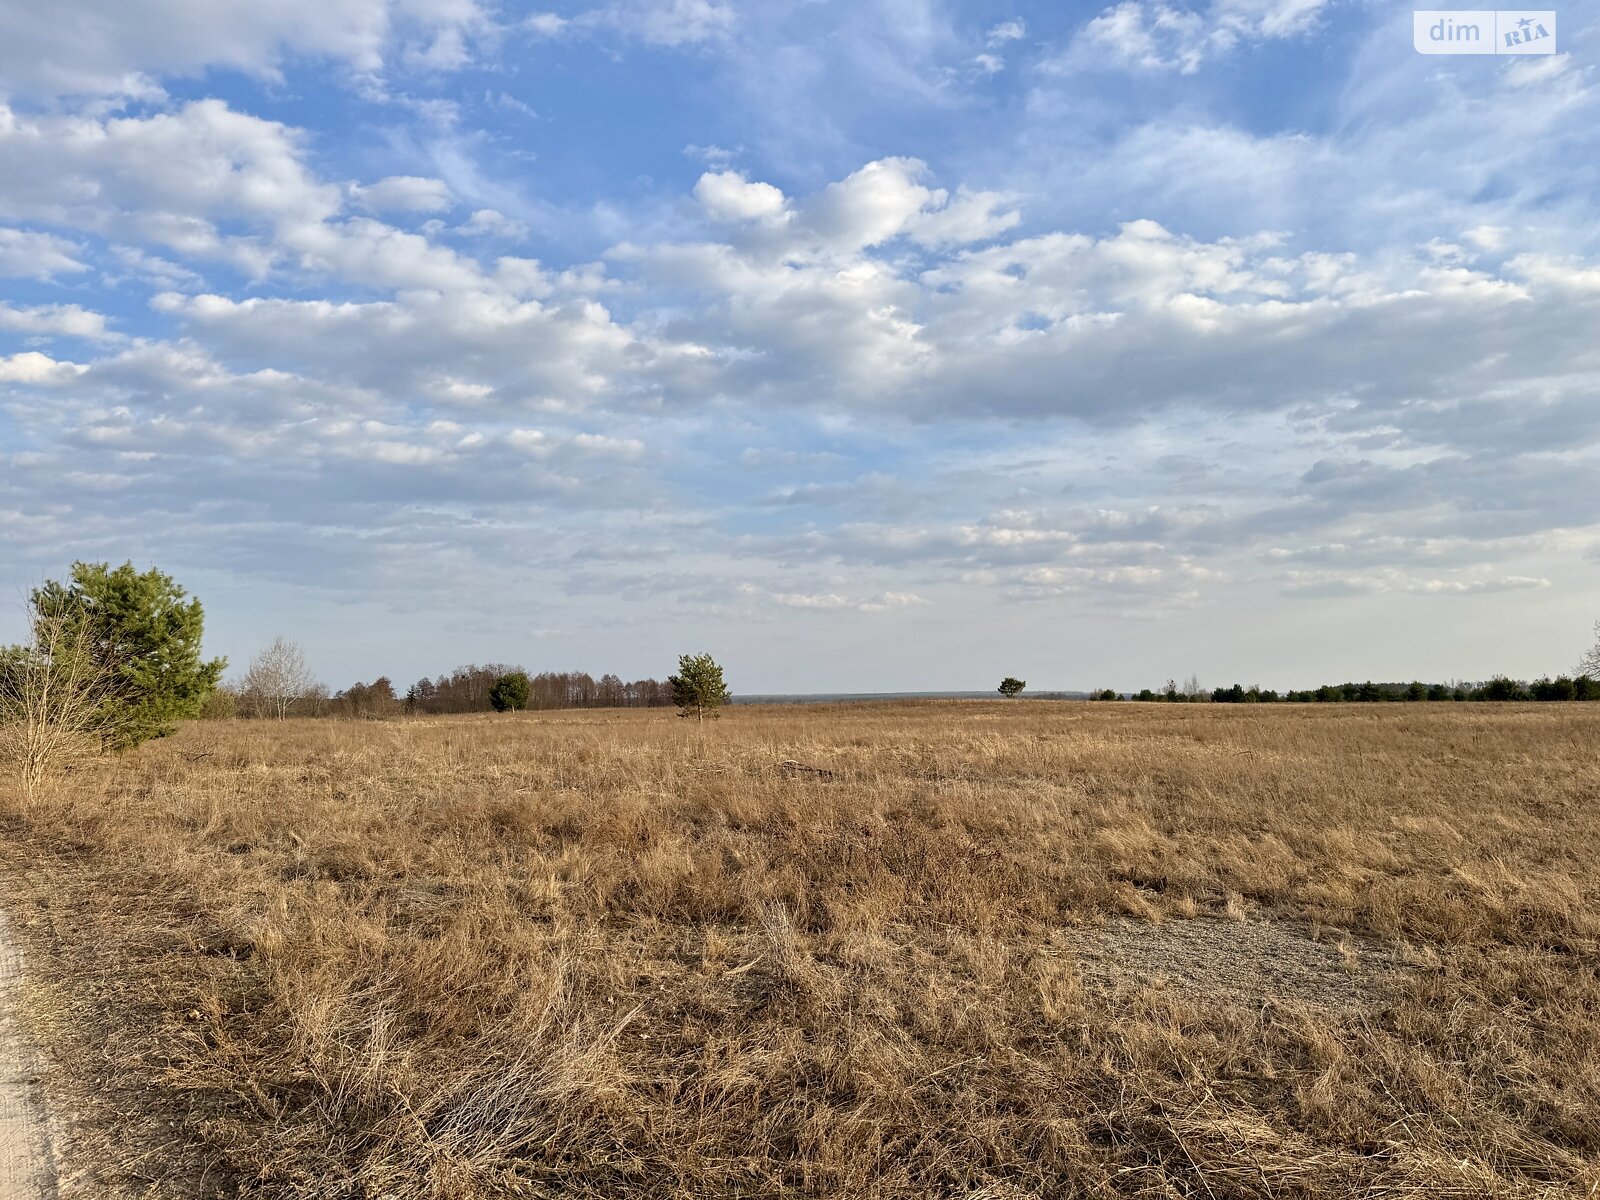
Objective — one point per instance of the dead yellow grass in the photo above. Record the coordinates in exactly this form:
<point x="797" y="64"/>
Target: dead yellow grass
<point x="615" y="954"/>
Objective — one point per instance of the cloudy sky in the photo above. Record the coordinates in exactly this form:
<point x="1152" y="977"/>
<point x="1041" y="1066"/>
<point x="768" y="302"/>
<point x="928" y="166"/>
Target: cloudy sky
<point x="870" y="344"/>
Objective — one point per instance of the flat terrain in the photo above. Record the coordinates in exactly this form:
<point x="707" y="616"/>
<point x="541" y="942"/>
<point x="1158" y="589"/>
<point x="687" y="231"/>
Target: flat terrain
<point x="904" y="950"/>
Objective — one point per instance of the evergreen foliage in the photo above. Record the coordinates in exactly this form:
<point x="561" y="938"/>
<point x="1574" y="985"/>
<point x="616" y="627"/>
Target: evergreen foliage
<point x="698" y="688"/>
<point x="510" y="692"/>
<point x="144" y="628"/>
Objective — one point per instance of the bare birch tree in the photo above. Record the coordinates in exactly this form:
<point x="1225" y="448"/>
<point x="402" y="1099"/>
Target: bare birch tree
<point x="56" y="694"/>
<point x="278" y="677"/>
<point x="1589" y="664"/>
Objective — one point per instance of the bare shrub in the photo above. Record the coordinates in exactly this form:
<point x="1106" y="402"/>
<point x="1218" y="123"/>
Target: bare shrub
<point x="55" y="693"/>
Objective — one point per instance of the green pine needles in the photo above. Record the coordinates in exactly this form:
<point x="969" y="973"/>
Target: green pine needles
<point x="144" y="630"/>
<point x="697" y="688"/>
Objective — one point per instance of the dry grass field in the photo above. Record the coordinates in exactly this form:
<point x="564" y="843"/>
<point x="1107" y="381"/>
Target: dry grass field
<point x="914" y="950"/>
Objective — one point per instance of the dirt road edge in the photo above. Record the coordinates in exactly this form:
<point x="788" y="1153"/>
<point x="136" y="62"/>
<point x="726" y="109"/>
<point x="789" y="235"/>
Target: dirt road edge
<point x="27" y="1169"/>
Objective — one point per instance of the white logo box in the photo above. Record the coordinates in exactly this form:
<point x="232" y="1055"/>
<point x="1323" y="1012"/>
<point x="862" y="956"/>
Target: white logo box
<point x="1484" y="31"/>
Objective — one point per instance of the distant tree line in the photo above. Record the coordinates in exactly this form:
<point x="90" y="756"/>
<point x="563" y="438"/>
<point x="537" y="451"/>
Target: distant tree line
<point x="278" y="685"/>
<point x="471" y="689"/>
<point x="1581" y="687"/>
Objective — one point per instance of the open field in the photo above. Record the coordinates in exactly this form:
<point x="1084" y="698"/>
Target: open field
<point x="910" y="950"/>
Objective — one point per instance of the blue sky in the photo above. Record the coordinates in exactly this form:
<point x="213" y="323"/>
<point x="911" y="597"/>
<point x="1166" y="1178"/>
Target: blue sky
<point x="873" y="345"/>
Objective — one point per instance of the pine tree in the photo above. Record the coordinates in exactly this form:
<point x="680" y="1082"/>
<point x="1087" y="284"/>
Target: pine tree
<point x="143" y="629"/>
<point x="510" y="692"/>
<point x="698" y="688"/>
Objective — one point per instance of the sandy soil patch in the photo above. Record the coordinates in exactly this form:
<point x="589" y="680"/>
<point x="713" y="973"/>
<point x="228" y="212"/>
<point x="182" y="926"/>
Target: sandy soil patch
<point x="1238" y="962"/>
<point x="26" y="1170"/>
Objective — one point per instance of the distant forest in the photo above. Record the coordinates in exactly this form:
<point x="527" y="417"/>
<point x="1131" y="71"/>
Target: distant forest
<point x="1500" y="688"/>
<point x="467" y="689"/>
<point x="464" y="690"/>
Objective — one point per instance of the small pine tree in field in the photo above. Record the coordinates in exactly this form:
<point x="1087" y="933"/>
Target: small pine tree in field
<point x="1011" y="687"/>
<point x="510" y="692"/>
<point x="697" y="688"/>
<point x="145" y="629"/>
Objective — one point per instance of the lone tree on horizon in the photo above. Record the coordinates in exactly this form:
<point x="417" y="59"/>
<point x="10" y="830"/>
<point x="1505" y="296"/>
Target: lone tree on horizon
<point x="1011" y="687"/>
<point x="697" y="688"/>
